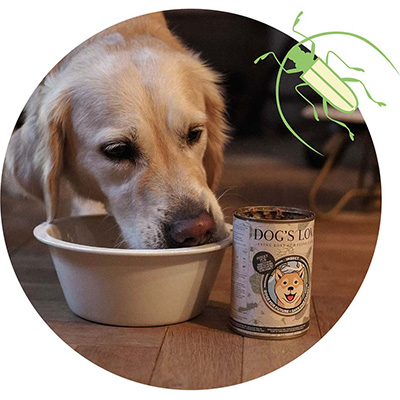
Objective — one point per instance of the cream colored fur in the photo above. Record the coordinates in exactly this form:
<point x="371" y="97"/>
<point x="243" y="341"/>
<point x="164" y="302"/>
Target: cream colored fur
<point x="134" y="82"/>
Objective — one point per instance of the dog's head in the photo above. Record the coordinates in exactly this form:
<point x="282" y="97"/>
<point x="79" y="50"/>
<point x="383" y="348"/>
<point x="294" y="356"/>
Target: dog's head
<point x="289" y="287"/>
<point x="140" y="127"/>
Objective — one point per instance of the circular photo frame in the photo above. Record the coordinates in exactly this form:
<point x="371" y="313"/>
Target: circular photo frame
<point x="264" y="164"/>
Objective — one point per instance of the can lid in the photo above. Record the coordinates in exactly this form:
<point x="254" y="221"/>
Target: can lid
<point x="274" y="214"/>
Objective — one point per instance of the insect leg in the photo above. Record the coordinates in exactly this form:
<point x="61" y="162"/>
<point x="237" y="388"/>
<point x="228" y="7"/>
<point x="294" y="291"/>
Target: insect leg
<point x="332" y="52"/>
<point x="312" y="48"/>
<point x="288" y="71"/>
<point x="305" y="98"/>
<point x="380" y="104"/>
<point x="325" y="107"/>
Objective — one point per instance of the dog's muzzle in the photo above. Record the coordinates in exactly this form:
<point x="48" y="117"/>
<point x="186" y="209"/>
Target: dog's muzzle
<point x="191" y="231"/>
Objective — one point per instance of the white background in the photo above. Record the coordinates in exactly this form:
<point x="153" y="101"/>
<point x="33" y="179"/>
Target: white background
<point x="359" y="356"/>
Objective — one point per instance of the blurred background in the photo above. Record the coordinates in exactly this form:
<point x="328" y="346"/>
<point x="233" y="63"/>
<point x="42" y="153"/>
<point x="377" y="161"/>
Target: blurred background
<point x="265" y="164"/>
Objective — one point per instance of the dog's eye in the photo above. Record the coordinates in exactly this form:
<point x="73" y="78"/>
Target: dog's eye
<point x="194" y="135"/>
<point x="285" y="282"/>
<point x="118" y="151"/>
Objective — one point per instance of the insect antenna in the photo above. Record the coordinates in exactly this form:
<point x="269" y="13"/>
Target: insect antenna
<point x="297" y="20"/>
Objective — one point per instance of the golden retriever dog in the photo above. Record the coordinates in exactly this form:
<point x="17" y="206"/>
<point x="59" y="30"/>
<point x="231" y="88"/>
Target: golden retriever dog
<point x="135" y="121"/>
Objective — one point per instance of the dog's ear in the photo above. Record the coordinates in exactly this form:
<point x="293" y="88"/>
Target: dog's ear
<point x="278" y="274"/>
<point x="52" y="126"/>
<point x="301" y="273"/>
<point x="35" y="153"/>
<point x="217" y="129"/>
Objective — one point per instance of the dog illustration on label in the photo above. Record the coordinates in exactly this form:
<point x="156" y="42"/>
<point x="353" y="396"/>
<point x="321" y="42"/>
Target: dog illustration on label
<point x="286" y="288"/>
<point x="289" y="286"/>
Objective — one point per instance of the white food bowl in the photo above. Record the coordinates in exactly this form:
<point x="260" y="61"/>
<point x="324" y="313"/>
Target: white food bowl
<point x="128" y="287"/>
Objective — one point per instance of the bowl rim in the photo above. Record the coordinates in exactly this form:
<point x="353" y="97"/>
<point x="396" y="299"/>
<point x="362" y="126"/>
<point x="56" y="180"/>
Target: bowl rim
<point x="41" y="233"/>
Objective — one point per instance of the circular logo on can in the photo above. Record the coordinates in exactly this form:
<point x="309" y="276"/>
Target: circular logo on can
<point x="286" y="288"/>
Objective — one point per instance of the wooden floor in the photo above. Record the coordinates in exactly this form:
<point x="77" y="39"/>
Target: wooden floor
<point x="203" y="352"/>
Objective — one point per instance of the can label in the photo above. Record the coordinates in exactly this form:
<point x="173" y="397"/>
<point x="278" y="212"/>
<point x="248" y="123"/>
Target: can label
<point x="271" y="277"/>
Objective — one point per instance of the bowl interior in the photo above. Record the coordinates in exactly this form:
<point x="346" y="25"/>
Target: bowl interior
<point x="91" y="230"/>
<point x="101" y="234"/>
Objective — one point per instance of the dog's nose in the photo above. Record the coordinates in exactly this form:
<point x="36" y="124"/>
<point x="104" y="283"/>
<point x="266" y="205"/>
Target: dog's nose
<point x="290" y="288"/>
<point x="192" y="231"/>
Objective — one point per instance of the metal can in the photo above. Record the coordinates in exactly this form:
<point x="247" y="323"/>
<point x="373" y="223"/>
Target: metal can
<point x="271" y="271"/>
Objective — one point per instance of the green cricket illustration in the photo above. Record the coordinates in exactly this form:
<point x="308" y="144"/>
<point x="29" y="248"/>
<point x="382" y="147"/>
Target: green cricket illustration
<point x="317" y="75"/>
